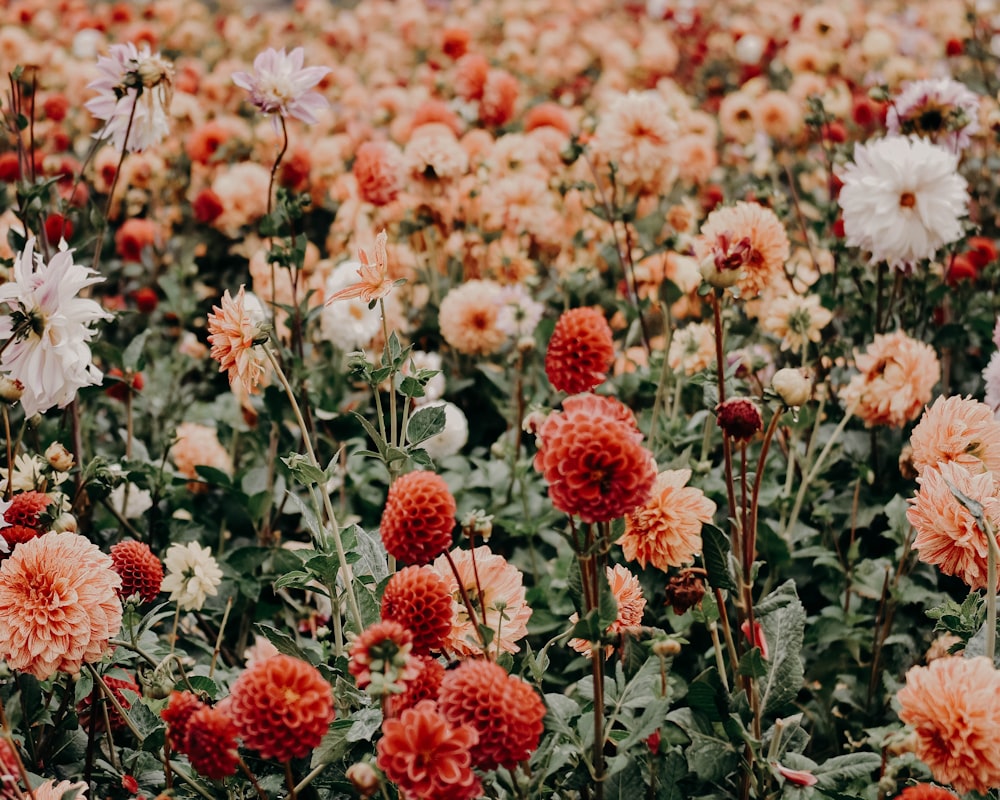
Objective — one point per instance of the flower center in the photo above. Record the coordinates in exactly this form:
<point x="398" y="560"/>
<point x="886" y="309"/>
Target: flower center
<point x="907" y="200"/>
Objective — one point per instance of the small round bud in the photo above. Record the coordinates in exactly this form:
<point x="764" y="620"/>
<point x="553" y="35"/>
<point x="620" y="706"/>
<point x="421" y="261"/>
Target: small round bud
<point x="719" y="278"/>
<point x="363" y="778"/>
<point x="525" y="344"/>
<point x="10" y="389"/>
<point x="739" y="418"/>
<point x="666" y="648"/>
<point x="64" y="523"/>
<point x="59" y="458"/>
<point x="791" y="386"/>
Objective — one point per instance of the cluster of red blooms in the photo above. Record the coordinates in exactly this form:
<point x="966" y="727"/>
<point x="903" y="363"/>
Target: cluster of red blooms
<point x="140" y="570"/>
<point x="281" y="708"/>
<point x="26" y="518"/>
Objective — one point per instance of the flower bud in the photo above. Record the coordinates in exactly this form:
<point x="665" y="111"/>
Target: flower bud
<point x="719" y="278"/>
<point x="666" y="648"/>
<point x="10" y="389"/>
<point x="791" y="386"/>
<point x="59" y="458"/>
<point x="363" y="778"/>
<point x="739" y="418"/>
<point x="64" y="523"/>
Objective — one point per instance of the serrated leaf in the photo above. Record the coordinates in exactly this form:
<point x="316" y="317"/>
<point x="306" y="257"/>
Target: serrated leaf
<point x="425" y="423"/>
<point x="373" y="559"/>
<point x="673" y="771"/>
<point x="365" y="722"/>
<point x="202" y="683"/>
<point x="296" y="580"/>
<point x="715" y="553"/>
<point x="334" y="745"/>
<point x="852" y="766"/>
<point x="648" y="723"/>
<point x="783" y="619"/>
<point x="752" y="664"/>
<point x="285" y="643"/>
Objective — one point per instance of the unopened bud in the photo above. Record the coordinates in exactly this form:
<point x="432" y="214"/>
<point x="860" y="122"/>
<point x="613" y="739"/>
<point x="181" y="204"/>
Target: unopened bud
<point x="719" y="278"/>
<point x="64" y="523"/>
<point x="59" y="458"/>
<point x="10" y="389"/>
<point x="791" y="386"/>
<point x="666" y="648"/>
<point x="739" y="418"/>
<point x="363" y="778"/>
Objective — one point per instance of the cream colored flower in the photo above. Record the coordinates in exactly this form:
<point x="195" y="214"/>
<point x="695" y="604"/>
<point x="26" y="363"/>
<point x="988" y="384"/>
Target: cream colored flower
<point x="192" y="575"/>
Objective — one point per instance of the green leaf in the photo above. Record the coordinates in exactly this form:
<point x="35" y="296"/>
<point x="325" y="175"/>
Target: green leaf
<point x="281" y="640"/>
<point x="752" y="664"/>
<point x="607" y="608"/>
<point x="132" y="358"/>
<point x="304" y="471"/>
<point x="213" y="476"/>
<point x="373" y="560"/>
<point x="649" y="722"/>
<point x="296" y="580"/>
<point x="670" y="776"/>
<point x="715" y="553"/>
<point x="841" y="769"/>
<point x="365" y="722"/>
<point x="783" y="619"/>
<point x="425" y="423"/>
<point x="202" y="683"/>
<point x="334" y="745"/>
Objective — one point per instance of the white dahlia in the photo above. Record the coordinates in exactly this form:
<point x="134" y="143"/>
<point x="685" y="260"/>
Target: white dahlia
<point x="902" y="199"/>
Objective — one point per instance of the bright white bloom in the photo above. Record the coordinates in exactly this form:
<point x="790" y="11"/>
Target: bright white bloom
<point x="192" y="575"/>
<point x="942" y="110"/>
<point x="349" y="324"/>
<point x="138" y="502"/>
<point x="50" y="327"/>
<point x="280" y="85"/>
<point x="134" y="85"/>
<point x="902" y="199"/>
<point x="454" y="436"/>
<point x="519" y="313"/>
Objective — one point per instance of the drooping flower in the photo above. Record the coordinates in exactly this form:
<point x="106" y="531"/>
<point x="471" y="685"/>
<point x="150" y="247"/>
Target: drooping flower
<point x="504" y="710"/>
<point x="947" y="532"/>
<point x="234" y="332"/>
<point x="59" y="605"/>
<point x="419" y="517"/>
<point x="134" y="94"/>
<point x="940" y="109"/>
<point x="282" y="707"/>
<point x="580" y="351"/>
<point x="666" y="530"/>
<point x="896" y="377"/>
<point x="428" y="758"/>
<point x="418" y="599"/>
<point x="902" y="199"/>
<point x="140" y="570"/>
<point x="631" y="605"/>
<point x="501" y="605"/>
<point x="746" y="240"/>
<point x="192" y="575"/>
<point x="210" y="743"/>
<point x="374" y="273"/>
<point x="596" y="466"/>
<point x="280" y="85"/>
<point x="954" y="706"/>
<point x="382" y="655"/>
<point x="50" y="327"/>
<point x="960" y="430"/>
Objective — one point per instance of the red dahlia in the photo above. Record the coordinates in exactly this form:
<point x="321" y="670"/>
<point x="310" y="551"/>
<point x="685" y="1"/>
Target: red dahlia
<point x="926" y="791"/>
<point x="418" y="599"/>
<point x="424" y="686"/>
<point x="141" y="571"/>
<point x="26" y="508"/>
<point x="211" y="743"/>
<point x="739" y="418"/>
<point x="580" y="351"/>
<point x="419" y="518"/>
<point x="178" y="711"/>
<point x="282" y="707"/>
<point x="505" y="711"/>
<point x="383" y="649"/>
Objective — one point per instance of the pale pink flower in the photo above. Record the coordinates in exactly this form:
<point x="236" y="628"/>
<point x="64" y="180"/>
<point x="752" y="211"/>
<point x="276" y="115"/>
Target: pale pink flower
<point x="234" y="334"/>
<point x="280" y="85"/>
<point x="942" y="110"/>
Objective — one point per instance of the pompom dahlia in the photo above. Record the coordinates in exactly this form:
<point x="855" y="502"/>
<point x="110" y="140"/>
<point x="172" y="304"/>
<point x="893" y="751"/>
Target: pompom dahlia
<point x="282" y="707"/>
<point x="280" y="85"/>
<point x="382" y="654"/>
<point x="425" y="685"/>
<point x="902" y="199"/>
<point x="419" y="517"/>
<point x="428" y="758"/>
<point x="211" y="743"/>
<point x="179" y="709"/>
<point x="59" y="605"/>
<point x="140" y="570"/>
<point x="418" y="599"/>
<point x="580" y="351"/>
<point x="954" y="706"/>
<point x="505" y="711"/>
<point x="926" y="791"/>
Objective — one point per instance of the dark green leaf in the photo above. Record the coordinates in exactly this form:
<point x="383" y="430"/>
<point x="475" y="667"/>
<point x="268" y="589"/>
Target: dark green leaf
<point x="425" y="423"/>
<point x="715" y="552"/>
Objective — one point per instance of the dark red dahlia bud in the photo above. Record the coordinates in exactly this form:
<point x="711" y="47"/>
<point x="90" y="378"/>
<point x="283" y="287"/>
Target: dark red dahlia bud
<point x="739" y="418"/>
<point x="685" y="590"/>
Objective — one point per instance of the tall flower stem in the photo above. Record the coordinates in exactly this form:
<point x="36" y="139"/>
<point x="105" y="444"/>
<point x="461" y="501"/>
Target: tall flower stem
<point x="469" y="609"/>
<point x="345" y="567"/>
<point x="99" y="243"/>
<point x="727" y="449"/>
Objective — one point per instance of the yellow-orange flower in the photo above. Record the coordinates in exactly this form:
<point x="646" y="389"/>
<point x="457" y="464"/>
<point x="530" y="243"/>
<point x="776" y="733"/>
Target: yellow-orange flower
<point x="666" y="530"/>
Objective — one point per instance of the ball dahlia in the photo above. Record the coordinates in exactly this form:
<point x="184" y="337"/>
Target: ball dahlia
<point x="580" y="351"/>
<point x="418" y="599"/>
<point x="211" y="743"/>
<point x="419" y="517"/>
<point x="282" y="707"/>
<point x="178" y="711"/>
<point x="140" y="570"/>
<point x="425" y="685"/>
<point x="59" y="605"/>
<point x="505" y="712"/>
<point x="382" y="654"/>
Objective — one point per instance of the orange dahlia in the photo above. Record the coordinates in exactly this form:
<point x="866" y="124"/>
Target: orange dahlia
<point x="282" y="707"/>
<point x="419" y="517"/>
<point x="580" y="351"/>
<point x="59" y="605"/>
<point x="27" y="508"/>
<point x="178" y="711"/>
<point x="418" y="599"/>
<point x="631" y="606"/>
<point x="233" y="333"/>
<point x="957" y="429"/>
<point x="926" y="791"/>
<point x="428" y="758"/>
<point x="425" y="685"/>
<point x="666" y="530"/>
<point x="954" y="706"/>
<point x="595" y="465"/>
<point x="384" y="649"/>
<point x="211" y="743"/>
<point x="140" y="570"/>
<point x="505" y="711"/>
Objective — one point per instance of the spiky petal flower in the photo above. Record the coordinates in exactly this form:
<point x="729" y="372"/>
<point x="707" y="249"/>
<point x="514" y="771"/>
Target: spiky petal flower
<point x="942" y="110"/>
<point x="280" y="85"/>
<point x="192" y="575"/>
<point x="50" y="327"/>
<point x="902" y="199"/>
<point x="374" y="274"/>
<point x="234" y="334"/>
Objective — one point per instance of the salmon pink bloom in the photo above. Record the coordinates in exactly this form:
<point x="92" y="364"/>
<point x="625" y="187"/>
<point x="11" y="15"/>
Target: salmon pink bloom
<point x="375" y="282"/>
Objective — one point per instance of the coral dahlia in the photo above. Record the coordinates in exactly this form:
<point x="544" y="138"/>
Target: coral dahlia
<point x="419" y="600"/>
<point x="580" y="351"/>
<point x="233" y="334"/>
<point x="425" y="685"/>
<point x="382" y="655"/>
<point x="282" y="707"/>
<point x="419" y="517"/>
<point x="211" y="743"/>
<point x="140" y="570"/>
<point x="178" y="711"/>
<point x="960" y="430"/>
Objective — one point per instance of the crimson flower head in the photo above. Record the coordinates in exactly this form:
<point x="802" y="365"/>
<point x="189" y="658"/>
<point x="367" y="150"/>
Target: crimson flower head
<point x="280" y="85"/>
<point x="580" y="351"/>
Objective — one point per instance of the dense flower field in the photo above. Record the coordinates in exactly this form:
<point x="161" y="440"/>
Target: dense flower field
<point x="443" y="399"/>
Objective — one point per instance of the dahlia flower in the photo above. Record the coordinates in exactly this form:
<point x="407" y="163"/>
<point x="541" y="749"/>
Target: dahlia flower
<point x="374" y="274"/>
<point x="50" y="790"/>
<point x="942" y="110"/>
<point x="419" y="599"/>
<point x="902" y="199"/>
<point x="192" y="575"/>
<point x="350" y="324"/>
<point x="580" y="351"/>
<point x="425" y="685"/>
<point x="141" y="571"/>
<point x="469" y="318"/>
<point x="631" y="605"/>
<point x="960" y="430"/>
<point x="954" y="706"/>
<point x="234" y="332"/>
<point x="134" y="93"/>
<point x="50" y="327"/>
<point x="743" y="244"/>
<point x="280" y="84"/>
<point x="419" y="517"/>
<point x="382" y="655"/>
<point x="210" y="743"/>
<point x="59" y="605"/>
